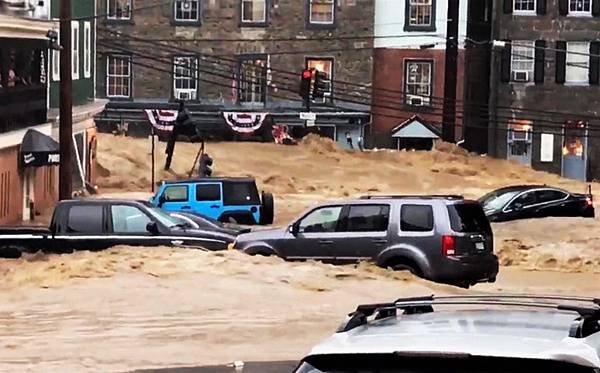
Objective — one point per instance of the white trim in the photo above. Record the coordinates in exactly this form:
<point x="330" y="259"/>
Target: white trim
<point x="130" y="76"/>
<point x="100" y="237"/>
<point x="190" y="20"/>
<point x="114" y="17"/>
<point x="583" y="13"/>
<point x="75" y="49"/>
<point x="87" y="50"/>
<point x="56" y="61"/>
<point x="524" y="12"/>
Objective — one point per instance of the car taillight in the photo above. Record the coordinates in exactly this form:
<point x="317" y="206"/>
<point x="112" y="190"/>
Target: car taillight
<point x="589" y="202"/>
<point x="448" y="245"/>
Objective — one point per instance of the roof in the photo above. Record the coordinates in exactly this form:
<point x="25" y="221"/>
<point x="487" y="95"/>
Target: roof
<point x="212" y="180"/>
<point x="495" y="333"/>
<point x="415" y="127"/>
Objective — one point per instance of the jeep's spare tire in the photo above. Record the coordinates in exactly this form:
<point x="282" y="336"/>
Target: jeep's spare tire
<point x="267" y="212"/>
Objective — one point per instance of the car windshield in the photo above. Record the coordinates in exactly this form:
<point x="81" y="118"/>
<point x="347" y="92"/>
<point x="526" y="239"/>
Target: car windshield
<point x="393" y="363"/>
<point x="165" y="218"/>
<point x="495" y="201"/>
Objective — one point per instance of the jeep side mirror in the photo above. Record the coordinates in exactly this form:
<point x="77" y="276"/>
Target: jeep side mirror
<point x="294" y="229"/>
<point x="152" y="228"/>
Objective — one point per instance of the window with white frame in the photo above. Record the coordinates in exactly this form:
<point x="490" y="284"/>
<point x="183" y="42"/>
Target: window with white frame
<point x="118" y="9"/>
<point x="187" y="10"/>
<point x="524" y="6"/>
<point x="185" y="77"/>
<point x="56" y="61"/>
<point x="325" y="65"/>
<point x="252" y="80"/>
<point x="254" y="11"/>
<point x="87" y="50"/>
<point x="321" y="11"/>
<point x="417" y="85"/>
<point x="522" y="62"/>
<point x="118" y="76"/>
<point x="75" y="49"/>
<point x="580" y="6"/>
<point x="419" y="13"/>
<point x="578" y="62"/>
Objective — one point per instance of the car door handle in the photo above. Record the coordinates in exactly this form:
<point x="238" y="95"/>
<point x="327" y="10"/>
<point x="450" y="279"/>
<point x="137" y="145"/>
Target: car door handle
<point x="186" y="208"/>
<point x="379" y="241"/>
<point x="325" y="242"/>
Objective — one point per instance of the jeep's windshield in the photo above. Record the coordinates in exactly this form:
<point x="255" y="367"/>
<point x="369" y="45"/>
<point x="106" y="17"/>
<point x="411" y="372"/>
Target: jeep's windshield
<point x="392" y="363"/>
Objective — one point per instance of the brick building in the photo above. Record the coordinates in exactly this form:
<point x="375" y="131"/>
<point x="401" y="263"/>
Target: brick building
<point x="408" y="81"/>
<point x="549" y="67"/>
<point x="236" y="56"/>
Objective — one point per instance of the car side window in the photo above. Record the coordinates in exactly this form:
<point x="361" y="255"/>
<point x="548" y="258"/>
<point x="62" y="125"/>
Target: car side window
<point x="176" y="193"/>
<point x="367" y="218"/>
<point x="128" y="219"/>
<point x="208" y="192"/>
<point x="322" y="220"/>
<point x="549" y="195"/>
<point x="416" y="218"/>
<point x="86" y="219"/>
<point x="524" y="200"/>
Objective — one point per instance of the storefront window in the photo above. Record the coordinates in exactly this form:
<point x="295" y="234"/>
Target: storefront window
<point x="575" y="132"/>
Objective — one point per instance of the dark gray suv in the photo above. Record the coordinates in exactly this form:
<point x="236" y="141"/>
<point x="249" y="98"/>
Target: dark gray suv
<point x="441" y="238"/>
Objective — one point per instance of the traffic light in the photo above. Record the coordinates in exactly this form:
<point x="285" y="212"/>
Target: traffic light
<point x="321" y="85"/>
<point x="204" y="169"/>
<point x="305" y="84"/>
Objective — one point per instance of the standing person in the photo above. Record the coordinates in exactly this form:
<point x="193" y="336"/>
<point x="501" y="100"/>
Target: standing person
<point x="349" y="140"/>
<point x="183" y="119"/>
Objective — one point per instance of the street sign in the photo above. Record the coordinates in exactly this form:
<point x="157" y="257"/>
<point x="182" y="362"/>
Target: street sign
<point x="308" y="116"/>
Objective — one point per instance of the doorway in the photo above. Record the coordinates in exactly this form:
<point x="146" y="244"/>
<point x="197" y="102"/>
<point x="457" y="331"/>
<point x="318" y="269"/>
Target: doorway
<point x="574" y="154"/>
<point x="519" y="140"/>
<point x="28" y="193"/>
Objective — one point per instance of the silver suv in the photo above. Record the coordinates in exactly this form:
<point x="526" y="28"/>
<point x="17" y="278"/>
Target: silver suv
<point x="442" y="238"/>
<point x="465" y="334"/>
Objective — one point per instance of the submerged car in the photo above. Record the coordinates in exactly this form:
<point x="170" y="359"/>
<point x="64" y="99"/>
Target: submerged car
<point x="536" y="201"/>
<point x="464" y="334"/>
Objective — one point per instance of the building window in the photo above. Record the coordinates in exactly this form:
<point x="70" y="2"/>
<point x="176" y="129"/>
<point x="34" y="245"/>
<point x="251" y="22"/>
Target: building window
<point x="524" y="6"/>
<point x="55" y="62"/>
<point x="580" y="6"/>
<point x="118" y="76"/>
<point x="75" y="50"/>
<point x="185" y="78"/>
<point x="522" y="61"/>
<point x="418" y="81"/>
<point x="419" y="14"/>
<point x="578" y="62"/>
<point x="252" y="80"/>
<point x="187" y="11"/>
<point x="118" y="9"/>
<point x="325" y="65"/>
<point x="321" y="12"/>
<point x="254" y="11"/>
<point x="87" y="50"/>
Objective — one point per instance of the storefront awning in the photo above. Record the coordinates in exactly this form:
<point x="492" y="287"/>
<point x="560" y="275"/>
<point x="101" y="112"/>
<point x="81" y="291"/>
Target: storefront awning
<point x="38" y="150"/>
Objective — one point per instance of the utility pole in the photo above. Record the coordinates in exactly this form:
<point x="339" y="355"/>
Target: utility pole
<point x="65" y="185"/>
<point x="451" y="69"/>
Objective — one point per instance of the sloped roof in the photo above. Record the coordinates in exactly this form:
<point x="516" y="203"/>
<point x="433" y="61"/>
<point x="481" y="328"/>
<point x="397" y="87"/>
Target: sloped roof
<point x="415" y="127"/>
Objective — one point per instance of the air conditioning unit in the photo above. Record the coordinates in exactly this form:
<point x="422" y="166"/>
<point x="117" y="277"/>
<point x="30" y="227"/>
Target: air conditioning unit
<point x="520" y="76"/>
<point x="185" y="94"/>
<point x="413" y="100"/>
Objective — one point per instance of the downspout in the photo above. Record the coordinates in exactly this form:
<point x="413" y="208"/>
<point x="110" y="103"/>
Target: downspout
<point x="493" y="99"/>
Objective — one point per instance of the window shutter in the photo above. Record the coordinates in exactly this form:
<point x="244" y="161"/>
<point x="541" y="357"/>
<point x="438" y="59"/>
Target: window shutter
<point x="561" y="61"/>
<point x="563" y="7"/>
<point x="539" y="66"/>
<point x="505" y="63"/>
<point x="540" y="7"/>
<point x="596" y="8"/>
<point x="594" y="62"/>
<point x="508" y="6"/>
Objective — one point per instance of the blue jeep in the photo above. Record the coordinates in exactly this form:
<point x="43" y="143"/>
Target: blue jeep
<point x="225" y="199"/>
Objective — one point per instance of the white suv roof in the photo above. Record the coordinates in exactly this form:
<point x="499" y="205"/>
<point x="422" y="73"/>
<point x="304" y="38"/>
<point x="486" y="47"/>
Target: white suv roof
<point x="502" y="326"/>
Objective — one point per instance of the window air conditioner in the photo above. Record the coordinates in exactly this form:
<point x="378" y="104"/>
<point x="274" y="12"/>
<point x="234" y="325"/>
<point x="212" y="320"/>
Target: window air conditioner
<point x="520" y="76"/>
<point x="417" y="100"/>
<point x="185" y="94"/>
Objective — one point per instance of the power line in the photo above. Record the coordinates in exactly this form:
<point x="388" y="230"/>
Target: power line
<point x="213" y="73"/>
<point x="368" y="87"/>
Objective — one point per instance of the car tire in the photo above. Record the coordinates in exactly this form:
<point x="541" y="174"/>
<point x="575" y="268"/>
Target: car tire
<point x="267" y="212"/>
<point x="260" y="252"/>
<point x="11" y="252"/>
<point x="404" y="265"/>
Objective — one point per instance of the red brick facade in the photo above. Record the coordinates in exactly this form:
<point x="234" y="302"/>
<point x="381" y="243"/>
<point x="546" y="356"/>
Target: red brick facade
<point x="389" y="108"/>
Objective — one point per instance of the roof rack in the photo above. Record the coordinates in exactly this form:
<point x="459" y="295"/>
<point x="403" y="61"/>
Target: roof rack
<point x="585" y="325"/>
<point x="415" y="196"/>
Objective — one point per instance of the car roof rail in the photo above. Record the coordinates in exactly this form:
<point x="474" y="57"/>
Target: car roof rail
<point x="413" y="196"/>
<point x="586" y="324"/>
